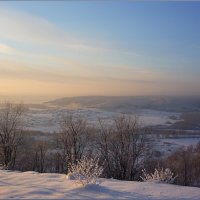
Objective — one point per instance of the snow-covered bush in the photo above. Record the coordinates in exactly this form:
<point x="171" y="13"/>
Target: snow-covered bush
<point x="86" y="171"/>
<point x="165" y="176"/>
<point x="70" y="176"/>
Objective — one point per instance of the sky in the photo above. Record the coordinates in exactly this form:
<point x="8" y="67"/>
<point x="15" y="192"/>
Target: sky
<point x="74" y="48"/>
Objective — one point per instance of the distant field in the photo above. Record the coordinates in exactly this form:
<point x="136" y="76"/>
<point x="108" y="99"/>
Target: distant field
<point x="47" y="119"/>
<point x="190" y="121"/>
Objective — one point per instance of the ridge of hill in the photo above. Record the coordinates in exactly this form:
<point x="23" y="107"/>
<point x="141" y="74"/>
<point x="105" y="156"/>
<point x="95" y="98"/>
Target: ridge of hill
<point x="164" y="103"/>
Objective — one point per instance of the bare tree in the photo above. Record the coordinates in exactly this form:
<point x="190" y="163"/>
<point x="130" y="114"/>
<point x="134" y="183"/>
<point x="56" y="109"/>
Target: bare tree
<point x="39" y="159"/>
<point x="10" y="132"/>
<point x="73" y="138"/>
<point x="122" y="145"/>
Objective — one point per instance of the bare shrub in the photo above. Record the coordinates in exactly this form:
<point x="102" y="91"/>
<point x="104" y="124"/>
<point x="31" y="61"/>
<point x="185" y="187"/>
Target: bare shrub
<point x="160" y="176"/>
<point x="186" y="163"/>
<point x="86" y="171"/>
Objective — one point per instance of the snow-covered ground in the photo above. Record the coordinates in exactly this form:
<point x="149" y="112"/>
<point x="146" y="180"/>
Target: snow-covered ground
<point x="169" y="144"/>
<point x="32" y="185"/>
<point x="181" y="141"/>
<point x="47" y="120"/>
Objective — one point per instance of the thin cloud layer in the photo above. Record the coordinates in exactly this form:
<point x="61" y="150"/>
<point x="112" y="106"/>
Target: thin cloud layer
<point x="38" y="56"/>
<point x="5" y="49"/>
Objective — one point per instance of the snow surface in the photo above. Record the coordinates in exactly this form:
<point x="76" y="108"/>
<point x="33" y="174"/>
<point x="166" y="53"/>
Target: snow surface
<point x="169" y="144"/>
<point x="47" y="120"/>
<point x="33" y="185"/>
<point x="181" y="141"/>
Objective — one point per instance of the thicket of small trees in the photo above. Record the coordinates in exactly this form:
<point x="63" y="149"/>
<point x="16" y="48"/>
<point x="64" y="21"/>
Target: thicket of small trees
<point x="184" y="163"/>
<point x="122" y="146"/>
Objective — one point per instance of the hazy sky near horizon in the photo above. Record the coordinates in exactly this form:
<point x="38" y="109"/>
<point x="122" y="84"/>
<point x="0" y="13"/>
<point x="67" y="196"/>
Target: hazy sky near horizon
<point x="70" y="48"/>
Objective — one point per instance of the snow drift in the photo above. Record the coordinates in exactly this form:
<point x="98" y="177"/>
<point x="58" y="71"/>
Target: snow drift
<point x="33" y="185"/>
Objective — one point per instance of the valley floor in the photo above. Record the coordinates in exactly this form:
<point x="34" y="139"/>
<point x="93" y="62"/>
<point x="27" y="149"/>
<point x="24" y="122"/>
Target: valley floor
<point x="33" y="185"/>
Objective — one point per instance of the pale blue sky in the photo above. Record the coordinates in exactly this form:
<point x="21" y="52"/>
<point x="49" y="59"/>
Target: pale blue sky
<point x="66" y="48"/>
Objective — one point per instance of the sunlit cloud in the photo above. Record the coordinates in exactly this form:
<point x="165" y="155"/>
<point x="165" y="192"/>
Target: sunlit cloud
<point x="30" y="29"/>
<point x="26" y="28"/>
<point x="72" y="71"/>
<point x="5" y="49"/>
<point x="76" y="79"/>
<point x="33" y="30"/>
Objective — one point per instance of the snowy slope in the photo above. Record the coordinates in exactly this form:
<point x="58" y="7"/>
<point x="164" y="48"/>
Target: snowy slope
<point x="55" y="186"/>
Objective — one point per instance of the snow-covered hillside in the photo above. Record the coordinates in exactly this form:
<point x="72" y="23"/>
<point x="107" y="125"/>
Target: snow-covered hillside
<point x="55" y="186"/>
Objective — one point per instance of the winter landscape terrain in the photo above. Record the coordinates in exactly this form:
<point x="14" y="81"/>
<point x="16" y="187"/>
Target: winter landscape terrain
<point x="44" y="119"/>
<point x="99" y="100"/>
<point x="167" y="113"/>
<point x="33" y="185"/>
<point x="47" y="120"/>
<point x="152" y="111"/>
